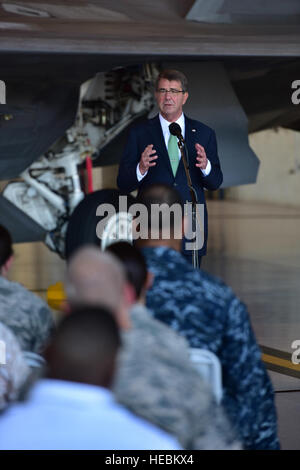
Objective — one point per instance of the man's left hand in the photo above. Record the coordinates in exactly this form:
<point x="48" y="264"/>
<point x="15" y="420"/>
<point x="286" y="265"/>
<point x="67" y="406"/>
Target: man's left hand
<point x="201" y="157"/>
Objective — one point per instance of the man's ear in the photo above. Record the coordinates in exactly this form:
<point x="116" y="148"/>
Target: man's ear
<point x="185" y="97"/>
<point x="128" y="299"/>
<point x="6" y="266"/>
<point x="129" y="294"/>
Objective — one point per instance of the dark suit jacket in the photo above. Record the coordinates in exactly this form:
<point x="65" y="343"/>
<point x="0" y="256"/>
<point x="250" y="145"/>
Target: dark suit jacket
<point x="150" y="132"/>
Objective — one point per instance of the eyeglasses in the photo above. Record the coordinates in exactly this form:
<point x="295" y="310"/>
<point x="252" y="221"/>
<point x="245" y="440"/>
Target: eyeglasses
<point x="173" y="91"/>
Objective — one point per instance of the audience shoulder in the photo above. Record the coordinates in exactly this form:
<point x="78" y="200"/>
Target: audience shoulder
<point x="211" y="282"/>
<point x="21" y="294"/>
<point x="156" y="330"/>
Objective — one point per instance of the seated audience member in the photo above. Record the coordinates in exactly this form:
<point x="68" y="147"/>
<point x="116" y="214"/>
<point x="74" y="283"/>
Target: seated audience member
<point x="97" y="278"/>
<point x="208" y="314"/>
<point x="24" y="313"/>
<point x="154" y="372"/>
<point x="13" y="368"/>
<point x="73" y="408"/>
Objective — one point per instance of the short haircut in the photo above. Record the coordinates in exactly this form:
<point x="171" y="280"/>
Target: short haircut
<point x="134" y="264"/>
<point x="159" y="195"/>
<point x="6" y="250"/>
<point x="84" y="347"/>
<point x="170" y="74"/>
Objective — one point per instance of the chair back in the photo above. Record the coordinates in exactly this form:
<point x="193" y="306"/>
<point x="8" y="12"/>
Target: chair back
<point x="209" y="367"/>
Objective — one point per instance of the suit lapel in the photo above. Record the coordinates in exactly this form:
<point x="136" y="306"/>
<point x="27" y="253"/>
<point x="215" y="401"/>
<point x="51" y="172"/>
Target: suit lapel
<point x="190" y="143"/>
<point x="190" y="139"/>
<point x="159" y="142"/>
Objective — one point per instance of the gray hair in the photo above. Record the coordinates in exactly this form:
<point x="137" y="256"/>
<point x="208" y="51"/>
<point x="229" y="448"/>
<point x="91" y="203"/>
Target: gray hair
<point x="171" y="74"/>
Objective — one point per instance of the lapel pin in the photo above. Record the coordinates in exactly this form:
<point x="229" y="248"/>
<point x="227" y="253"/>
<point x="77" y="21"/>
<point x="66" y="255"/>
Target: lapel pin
<point x="193" y="130"/>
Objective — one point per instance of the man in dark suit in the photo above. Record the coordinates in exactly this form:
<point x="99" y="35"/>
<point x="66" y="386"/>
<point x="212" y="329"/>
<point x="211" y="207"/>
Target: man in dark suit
<point x="152" y="156"/>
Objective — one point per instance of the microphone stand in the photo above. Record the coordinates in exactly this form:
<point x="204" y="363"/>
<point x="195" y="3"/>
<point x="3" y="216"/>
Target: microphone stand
<point x="194" y="199"/>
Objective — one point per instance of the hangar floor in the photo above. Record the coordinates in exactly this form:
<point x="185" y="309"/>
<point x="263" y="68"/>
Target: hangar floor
<point x="255" y="248"/>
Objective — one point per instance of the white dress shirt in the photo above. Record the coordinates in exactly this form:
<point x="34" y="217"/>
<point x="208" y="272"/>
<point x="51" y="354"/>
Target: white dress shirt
<point x="166" y="133"/>
<point x="67" y="415"/>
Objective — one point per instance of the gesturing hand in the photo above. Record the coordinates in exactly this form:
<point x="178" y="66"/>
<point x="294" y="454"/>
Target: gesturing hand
<point x="147" y="157"/>
<point x="201" y="157"/>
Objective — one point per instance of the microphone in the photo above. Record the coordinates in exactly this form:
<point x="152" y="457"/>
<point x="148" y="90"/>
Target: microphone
<point x="175" y="129"/>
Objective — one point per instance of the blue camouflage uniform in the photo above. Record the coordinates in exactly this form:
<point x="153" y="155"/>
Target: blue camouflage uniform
<point x="208" y="314"/>
<point x="154" y="372"/>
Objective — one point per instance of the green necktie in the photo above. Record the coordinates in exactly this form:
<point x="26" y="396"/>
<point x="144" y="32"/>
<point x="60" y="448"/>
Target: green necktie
<point x="173" y="153"/>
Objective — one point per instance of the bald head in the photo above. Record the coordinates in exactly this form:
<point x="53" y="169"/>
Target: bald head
<point x="97" y="278"/>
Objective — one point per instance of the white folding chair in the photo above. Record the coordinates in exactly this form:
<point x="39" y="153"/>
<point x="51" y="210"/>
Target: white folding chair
<point x="209" y="367"/>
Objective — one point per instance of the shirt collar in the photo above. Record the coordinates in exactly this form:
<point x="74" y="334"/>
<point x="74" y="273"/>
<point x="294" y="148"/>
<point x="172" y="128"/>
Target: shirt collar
<point x="54" y="390"/>
<point x="165" y="124"/>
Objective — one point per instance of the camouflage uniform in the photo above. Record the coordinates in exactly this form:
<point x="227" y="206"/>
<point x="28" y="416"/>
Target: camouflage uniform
<point x="209" y="315"/>
<point x="156" y="380"/>
<point x="26" y="315"/>
<point x="15" y="370"/>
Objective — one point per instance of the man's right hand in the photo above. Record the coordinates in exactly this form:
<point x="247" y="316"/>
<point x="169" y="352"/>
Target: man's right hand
<point x="147" y="157"/>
